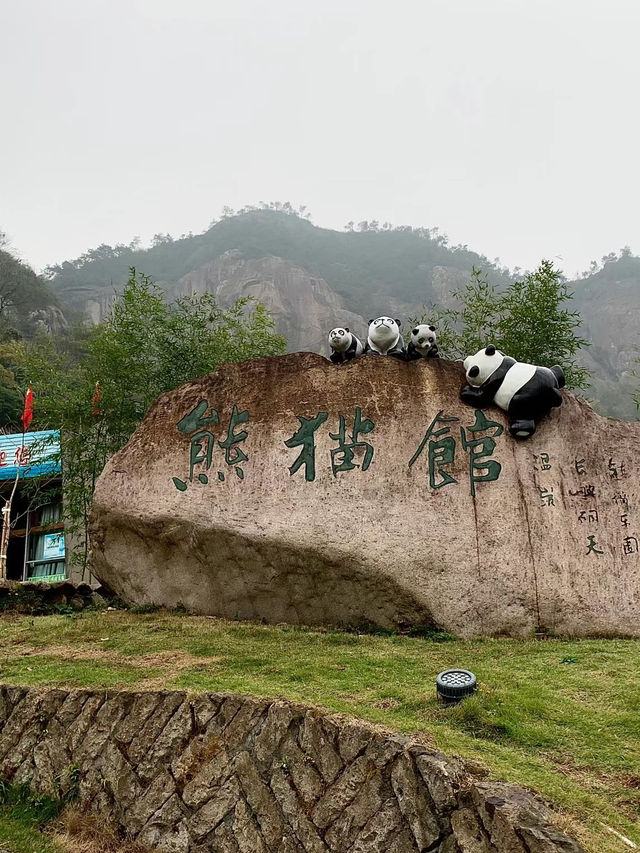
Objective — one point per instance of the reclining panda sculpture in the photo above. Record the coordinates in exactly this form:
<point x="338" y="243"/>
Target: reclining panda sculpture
<point x="422" y="343"/>
<point x="344" y="345"/>
<point x="524" y="391"/>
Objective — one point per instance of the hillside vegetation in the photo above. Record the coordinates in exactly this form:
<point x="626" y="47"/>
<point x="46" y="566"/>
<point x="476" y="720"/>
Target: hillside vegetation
<point x="26" y="299"/>
<point x="361" y="266"/>
<point x="609" y="302"/>
<point x="558" y="716"/>
<point x="366" y="270"/>
<point x="27" y="306"/>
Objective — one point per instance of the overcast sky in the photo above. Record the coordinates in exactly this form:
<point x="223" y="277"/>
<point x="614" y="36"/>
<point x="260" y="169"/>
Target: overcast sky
<point x="512" y="125"/>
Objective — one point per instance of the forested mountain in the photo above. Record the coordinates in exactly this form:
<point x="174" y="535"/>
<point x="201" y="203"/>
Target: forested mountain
<point x="361" y="266"/>
<point x="27" y="302"/>
<point x="27" y="305"/>
<point x="312" y="278"/>
<point x="609" y="303"/>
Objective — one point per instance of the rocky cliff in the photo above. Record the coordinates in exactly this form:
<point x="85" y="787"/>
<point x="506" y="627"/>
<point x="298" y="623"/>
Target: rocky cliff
<point x="313" y="278"/>
<point x="303" y="306"/>
<point x="289" y="489"/>
<point x="27" y="304"/>
<point x="609" y="302"/>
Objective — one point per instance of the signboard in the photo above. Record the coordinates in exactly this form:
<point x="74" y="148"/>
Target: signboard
<point x="34" y="453"/>
<point x="53" y="546"/>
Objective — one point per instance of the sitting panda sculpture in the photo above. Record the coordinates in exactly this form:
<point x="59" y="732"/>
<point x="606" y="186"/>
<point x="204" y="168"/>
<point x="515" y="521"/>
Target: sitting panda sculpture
<point x="422" y="343"/>
<point x="384" y="338"/>
<point x="524" y="391"/>
<point x="344" y="345"/>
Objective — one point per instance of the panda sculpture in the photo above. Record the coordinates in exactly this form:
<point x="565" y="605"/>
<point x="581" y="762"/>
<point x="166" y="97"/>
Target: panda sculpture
<point x="524" y="391"/>
<point x="344" y="345"/>
<point x="422" y="343"/>
<point x="384" y="338"/>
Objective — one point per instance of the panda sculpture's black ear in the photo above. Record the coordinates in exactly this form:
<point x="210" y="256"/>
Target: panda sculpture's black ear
<point x="398" y="323"/>
<point x="370" y="322"/>
<point x="414" y="332"/>
<point x="490" y="350"/>
<point x="432" y="328"/>
<point x="346" y="328"/>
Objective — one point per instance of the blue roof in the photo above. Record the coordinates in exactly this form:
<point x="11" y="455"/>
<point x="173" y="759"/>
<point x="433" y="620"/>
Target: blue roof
<point x="41" y="454"/>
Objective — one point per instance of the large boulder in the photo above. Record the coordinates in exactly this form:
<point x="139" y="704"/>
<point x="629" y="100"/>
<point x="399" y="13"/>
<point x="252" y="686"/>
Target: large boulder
<point x="289" y="489"/>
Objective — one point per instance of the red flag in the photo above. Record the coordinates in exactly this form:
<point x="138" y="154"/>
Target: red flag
<point x="27" y="415"/>
<point x="95" y="401"/>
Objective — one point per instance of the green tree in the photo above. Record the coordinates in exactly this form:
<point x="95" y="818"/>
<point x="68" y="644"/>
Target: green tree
<point x="147" y="347"/>
<point x="528" y="320"/>
<point x="11" y="399"/>
<point x="536" y="326"/>
<point x="473" y="321"/>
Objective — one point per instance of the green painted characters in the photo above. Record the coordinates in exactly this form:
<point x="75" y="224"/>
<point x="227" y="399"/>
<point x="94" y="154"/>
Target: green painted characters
<point x="202" y="444"/>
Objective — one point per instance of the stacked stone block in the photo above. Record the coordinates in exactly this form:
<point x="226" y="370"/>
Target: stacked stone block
<point x="237" y="774"/>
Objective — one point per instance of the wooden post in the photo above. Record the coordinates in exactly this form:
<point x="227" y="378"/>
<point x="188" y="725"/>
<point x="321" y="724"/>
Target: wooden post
<point x="4" y="540"/>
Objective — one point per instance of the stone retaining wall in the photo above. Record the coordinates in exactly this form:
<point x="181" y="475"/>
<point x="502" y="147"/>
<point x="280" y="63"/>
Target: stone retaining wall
<point x="237" y="774"/>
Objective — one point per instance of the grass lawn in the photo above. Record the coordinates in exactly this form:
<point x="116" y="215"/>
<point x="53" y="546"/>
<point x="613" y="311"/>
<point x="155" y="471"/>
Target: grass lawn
<point x="559" y="716"/>
<point x="30" y="823"/>
<point x="23" y="816"/>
